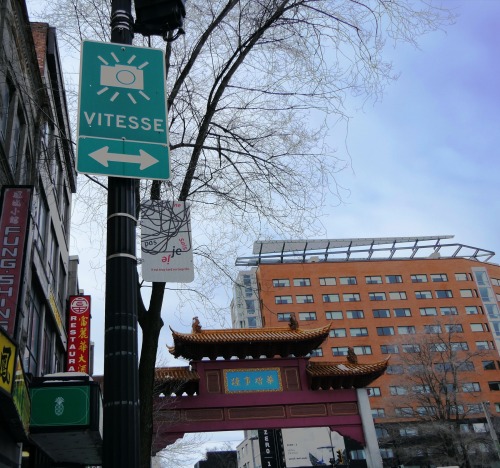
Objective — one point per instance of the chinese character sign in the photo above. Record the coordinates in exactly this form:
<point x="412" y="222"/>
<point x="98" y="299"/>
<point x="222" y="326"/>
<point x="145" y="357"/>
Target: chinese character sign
<point x="7" y="360"/>
<point x="78" y="334"/>
<point x="252" y="380"/>
<point x="16" y="202"/>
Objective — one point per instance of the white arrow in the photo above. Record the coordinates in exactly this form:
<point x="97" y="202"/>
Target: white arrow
<point x="103" y="157"/>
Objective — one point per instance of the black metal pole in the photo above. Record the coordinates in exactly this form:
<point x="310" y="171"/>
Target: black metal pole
<point x="121" y="446"/>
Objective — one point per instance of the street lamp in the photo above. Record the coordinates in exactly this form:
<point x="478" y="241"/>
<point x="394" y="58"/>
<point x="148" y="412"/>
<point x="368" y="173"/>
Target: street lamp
<point x="159" y="17"/>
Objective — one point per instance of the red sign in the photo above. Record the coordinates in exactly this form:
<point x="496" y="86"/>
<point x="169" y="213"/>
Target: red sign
<point x="14" y="216"/>
<point x="78" y="334"/>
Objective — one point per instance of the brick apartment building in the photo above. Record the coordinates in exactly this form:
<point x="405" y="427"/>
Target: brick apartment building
<point x="428" y="304"/>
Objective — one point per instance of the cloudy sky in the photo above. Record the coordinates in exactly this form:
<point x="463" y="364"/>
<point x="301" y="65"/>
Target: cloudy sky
<point x="424" y="159"/>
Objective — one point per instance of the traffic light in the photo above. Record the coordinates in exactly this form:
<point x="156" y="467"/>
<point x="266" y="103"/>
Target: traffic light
<point x="340" y="457"/>
<point x="158" y="17"/>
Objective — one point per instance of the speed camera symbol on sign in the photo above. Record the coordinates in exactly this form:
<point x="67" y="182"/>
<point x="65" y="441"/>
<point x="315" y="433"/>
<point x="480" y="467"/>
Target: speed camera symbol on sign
<point x="126" y="77"/>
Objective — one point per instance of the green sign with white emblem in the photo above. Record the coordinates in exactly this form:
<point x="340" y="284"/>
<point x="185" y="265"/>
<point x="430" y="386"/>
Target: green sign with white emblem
<point x="122" y="114"/>
<point x="60" y="406"/>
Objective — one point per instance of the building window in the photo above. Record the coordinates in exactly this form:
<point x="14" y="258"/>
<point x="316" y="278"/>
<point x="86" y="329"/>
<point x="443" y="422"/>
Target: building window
<point x="360" y="350"/>
<point x="334" y="315"/>
<point x="357" y="454"/>
<point x="304" y="299"/>
<point x="389" y="349"/>
<point x="489" y="365"/>
<point x="338" y="333"/>
<point x="411" y="348"/>
<point x="407" y="330"/>
<point x="422" y="389"/>
<point x="378" y="413"/>
<point x="385" y="331"/>
<point x="397" y="295"/>
<point x="478" y="327"/>
<point x="453" y="328"/>
<point x="381" y="313"/>
<point x="443" y="293"/>
<point x="448" y="310"/>
<point x="466" y="293"/>
<point x="307" y="316"/>
<point x="427" y="311"/>
<point x="374" y="391"/>
<point x="461" y="276"/>
<point x="419" y="278"/>
<point x="373" y="279"/>
<point x="283" y="299"/>
<point x="355" y="314"/>
<point x="250" y="306"/>
<point x="495" y="281"/>
<point x="404" y="412"/>
<point x="432" y="329"/>
<point x="351" y="297"/>
<point x="362" y="331"/>
<point x="466" y="366"/>
<point x="380" y="432"/>
<point x="426" y="410"/>
<point x="376" y="296"/>
<point x="394" y="369"/>
<point x="484" y="345"/>
<point x="494" y="386"/>
<point x="439" y="277"/>
<point x="397" y="390"/>
<point x="393" y="279"/>
<point x="471" y="310"/>
<point x="318" y="352"/>
<point x="327" y="281"/>
<point x="301" y="282"/>
<point x="404" y="312"/>
<point x="423" y="294"/>
<point x="331" y="298"/>
<point x="471" y="387"/>
<point x="281" y="283"/>
<point x="339" y="350"/>
<point x="348" y="280"/>
<point x="459" y="346"/>
<point x="284" y="317"/>
<point x="438" y="347"/>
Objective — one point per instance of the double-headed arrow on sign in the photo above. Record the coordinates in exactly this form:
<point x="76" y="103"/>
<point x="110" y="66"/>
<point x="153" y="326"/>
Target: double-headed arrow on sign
<point x="103" y="156"/>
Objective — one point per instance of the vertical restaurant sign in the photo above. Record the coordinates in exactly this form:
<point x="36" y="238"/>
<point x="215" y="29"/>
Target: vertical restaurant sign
<point x="78" y="334"/>
<point x="166" y="243"/>
<point x="14" y="216"/>
<point x="7" y="360"/>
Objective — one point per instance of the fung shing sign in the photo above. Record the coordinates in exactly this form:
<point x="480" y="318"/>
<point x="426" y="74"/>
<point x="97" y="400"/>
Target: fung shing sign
<point x="167" y="250"/>
<point x="14" y="216"/>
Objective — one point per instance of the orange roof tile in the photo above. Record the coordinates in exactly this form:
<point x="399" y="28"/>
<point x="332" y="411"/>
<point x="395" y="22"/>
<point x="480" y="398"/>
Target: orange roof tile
<point x="245" y="342"/>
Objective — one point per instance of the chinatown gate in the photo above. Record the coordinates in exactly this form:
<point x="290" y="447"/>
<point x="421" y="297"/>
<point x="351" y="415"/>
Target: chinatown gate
<point x="260" y="378"/>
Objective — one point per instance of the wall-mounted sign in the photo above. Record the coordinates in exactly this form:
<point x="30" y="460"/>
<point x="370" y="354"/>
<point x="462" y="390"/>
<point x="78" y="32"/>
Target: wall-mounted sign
<point x="166" y="244"/>
<point x="21" y="397"/>
<point x="78" y="334"/>
<point x="252" y="380"/>
<point x="14" y="216"/>
<point x="7" y="361"/>
<point x="60" y="406"/>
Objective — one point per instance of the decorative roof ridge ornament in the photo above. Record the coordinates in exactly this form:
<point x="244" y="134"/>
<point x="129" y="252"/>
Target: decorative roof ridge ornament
<point x="294" y="325"/>
<point x="196" y="326"/>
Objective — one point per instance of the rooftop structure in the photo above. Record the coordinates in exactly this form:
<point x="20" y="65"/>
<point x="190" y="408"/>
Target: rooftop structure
<point x="377" y="248"/>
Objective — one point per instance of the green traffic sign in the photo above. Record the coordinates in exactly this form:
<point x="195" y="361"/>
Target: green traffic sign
<point x="122" y="113"/>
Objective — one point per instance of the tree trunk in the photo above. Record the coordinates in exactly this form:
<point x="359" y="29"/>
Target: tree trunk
<point x="151" y="324"/>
